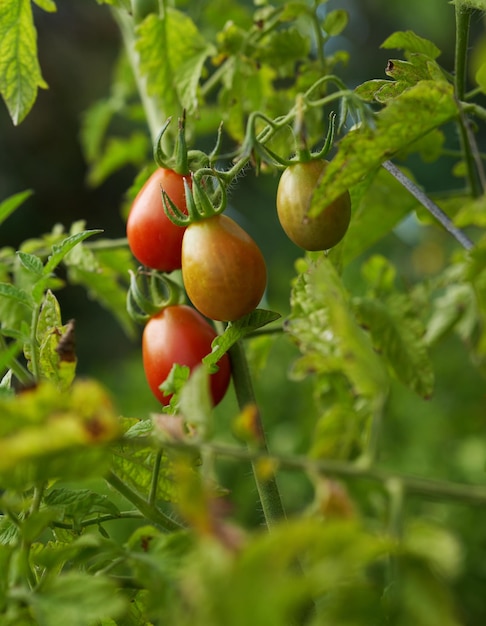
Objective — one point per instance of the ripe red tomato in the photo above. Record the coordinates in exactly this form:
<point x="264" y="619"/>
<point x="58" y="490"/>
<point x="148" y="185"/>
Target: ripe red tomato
<point x="223" y="269"/>
<point x="179" y="334"/>
<point x="153" y="239"/>
<point x="294" y="195"/>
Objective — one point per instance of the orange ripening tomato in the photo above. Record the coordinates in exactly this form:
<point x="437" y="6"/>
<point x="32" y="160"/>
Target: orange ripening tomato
<point x="223" y="269"/>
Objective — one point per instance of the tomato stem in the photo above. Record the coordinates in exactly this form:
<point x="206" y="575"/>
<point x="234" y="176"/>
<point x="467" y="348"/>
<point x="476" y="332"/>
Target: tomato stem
<point x="267" y="487"/>
<point x="474" y="167"/>
<point x="433" y="209"/>
<point x="149" y="293"/>
<point x="151" y="512"/>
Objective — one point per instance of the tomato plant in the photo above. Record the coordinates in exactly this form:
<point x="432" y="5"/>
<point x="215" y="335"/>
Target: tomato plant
<point x="294" y="194"/>
<point x="153" y="239"/>
<point x="180" y="335"/>
<point x="223" y="269"/>
<point x="326" y="466"/>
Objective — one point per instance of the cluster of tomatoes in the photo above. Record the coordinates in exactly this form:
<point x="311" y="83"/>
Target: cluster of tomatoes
<point x="217" y="259"/>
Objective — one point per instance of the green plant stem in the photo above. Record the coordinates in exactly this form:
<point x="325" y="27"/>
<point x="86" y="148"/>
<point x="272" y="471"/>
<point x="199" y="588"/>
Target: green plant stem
<point x="425" y="487"/>
<point x="425" y="201"/>
<point x="101" y="519"/>
<point x="267" y="488"/>
<point x="19" y="371"/>
<point x="154" y="115"/>
<point x="463" y="19"/>
<point x="155" y="479"/>
<point x="149" y="511"/>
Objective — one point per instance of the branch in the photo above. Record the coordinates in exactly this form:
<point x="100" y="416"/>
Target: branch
<point x="267" y="488"/>
<point x="425" y="201"/>
<point x="431" y="488"/>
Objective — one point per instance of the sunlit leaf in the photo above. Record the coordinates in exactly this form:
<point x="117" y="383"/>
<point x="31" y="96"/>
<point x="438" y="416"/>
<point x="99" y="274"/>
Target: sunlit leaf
<point x="47" y="434"/>
<point x="76" y="598"/>
<point x="411" y="42"/>
<point x="135" y="466"/>
<point x="323" y="323"/>
<point x="335" y="22"/>
<point x="47" y="5"/>
<point x="397" y="333"/>
<point x="8" y="206"/>
<point x="119" y="152"/>
<point x="20" y="74"/>
<point x="373" y="215"/>
<point x="418" y="110"/>
<point x="79" y="504"/>
<point x="236" y="330"/>
<point x="176" y="40"/>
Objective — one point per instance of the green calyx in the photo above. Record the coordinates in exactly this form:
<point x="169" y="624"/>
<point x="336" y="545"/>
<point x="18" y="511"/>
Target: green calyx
<point x="150" y="292"/>
<point x="206" y="196"/>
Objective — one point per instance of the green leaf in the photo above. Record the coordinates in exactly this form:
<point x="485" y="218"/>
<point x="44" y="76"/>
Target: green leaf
<point x="135" y="465"/>
<point x="104" y="274"/>
<point x="335" y="22"/>
<point x="80" y="504"/>
<point x="57" y="358"/>
<point x="472" y="212"/>
<point x="119" y="152"/>
<point x="13" y="292"/>
<point x="77" y="599"/>
<point x="374" y="216"/>
<point x="411" y="42"/>
<point x="32" y="263"/>
<point x="283" y="47"/>
<point x="471" y="4"/>
<point x="236" y="330"/>
<point x="328" y="334"/>
<point x="20" y="75"/>
<point x="480" y="77"/>
<point x="46" y="434"/>
<point x="455" y="309"/>
<point x="95" y="123"/>
<point x="397" y="333"/>
<point x="176" y="41"/>
<point x="59" y="251"/>
<point x="340" y="431"/>
<point x="408" y="72"/>
<point x="6" y="357"/>
<point x="8" y="206"/>
<point x="381" y="90"/>
<point x="47" y="5"/>
<point x="418" y="110"/>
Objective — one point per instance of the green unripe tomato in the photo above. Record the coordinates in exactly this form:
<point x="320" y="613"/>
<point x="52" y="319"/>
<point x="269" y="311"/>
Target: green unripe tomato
<point x="294" y="195"/>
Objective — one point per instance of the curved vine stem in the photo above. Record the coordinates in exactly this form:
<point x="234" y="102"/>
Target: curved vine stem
<point x="150" y="511"/>
<point x="425" y="201"/>
<point x="425" y="487"/>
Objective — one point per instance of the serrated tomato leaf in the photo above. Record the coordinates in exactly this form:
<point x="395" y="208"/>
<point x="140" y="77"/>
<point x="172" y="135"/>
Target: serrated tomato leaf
<point x="20" y="74"/>
<point x="172" y="54"/>
<point x="236" y="331"/>
<point x="418" y="110"/>
<point x="398" y="335"/>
